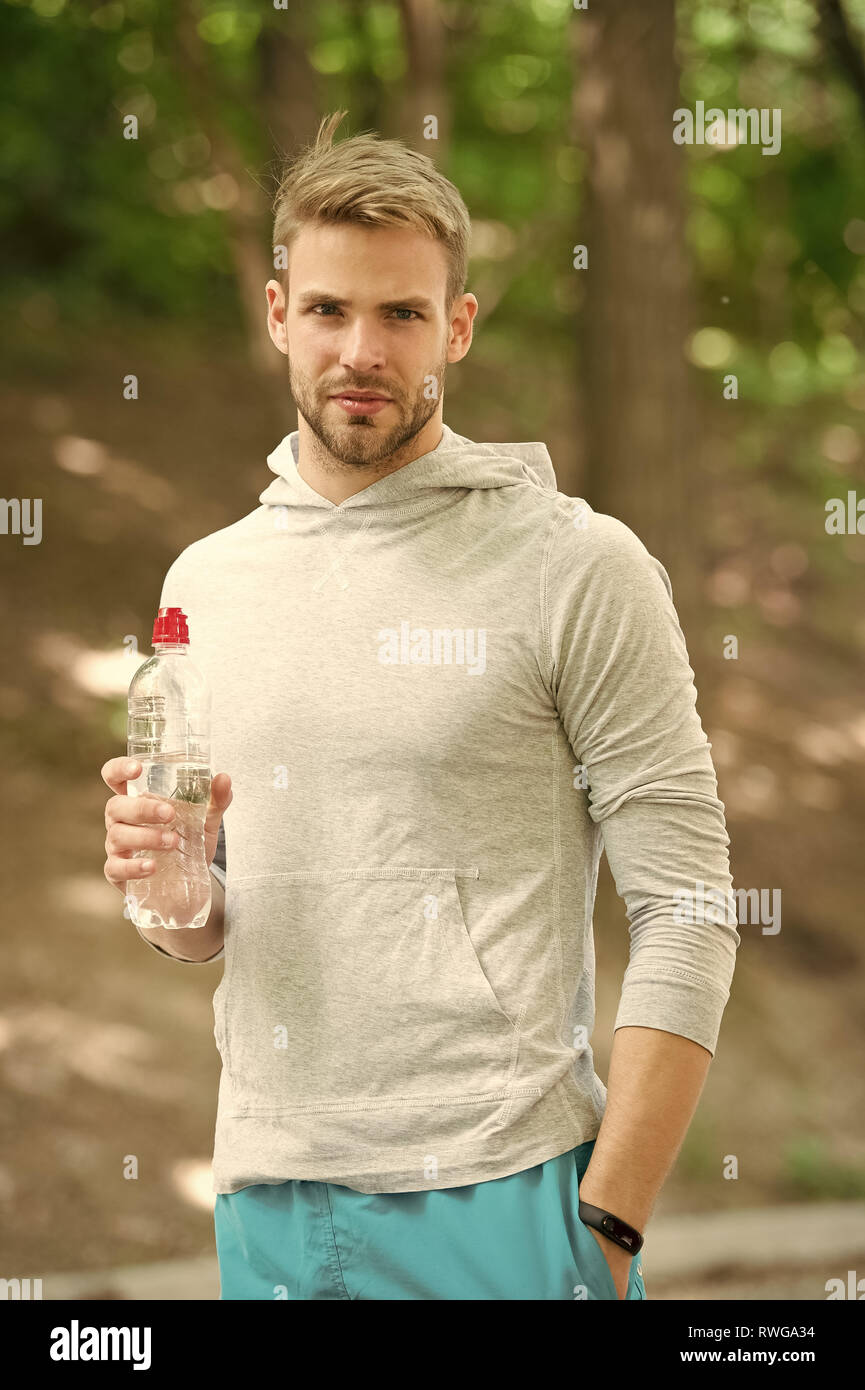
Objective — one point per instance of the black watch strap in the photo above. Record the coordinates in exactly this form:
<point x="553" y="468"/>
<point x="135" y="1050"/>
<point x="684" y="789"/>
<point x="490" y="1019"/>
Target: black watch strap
<point x="612" y="1227"/>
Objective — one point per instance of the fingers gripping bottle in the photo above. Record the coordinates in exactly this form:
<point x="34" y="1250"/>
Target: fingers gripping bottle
<point x="168" y="733"/>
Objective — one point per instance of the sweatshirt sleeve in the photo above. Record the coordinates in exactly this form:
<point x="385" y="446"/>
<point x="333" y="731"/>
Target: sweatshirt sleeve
<point x="171" y="597"/>
<point x="625" y="694"/>
<point x="217" y="868"/>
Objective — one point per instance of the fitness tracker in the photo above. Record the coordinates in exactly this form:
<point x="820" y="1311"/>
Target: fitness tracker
<point x="612" y="1227"/>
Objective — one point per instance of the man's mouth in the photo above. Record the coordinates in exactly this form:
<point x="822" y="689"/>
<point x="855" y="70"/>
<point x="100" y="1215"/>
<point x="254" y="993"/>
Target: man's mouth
<point x="357" y="403"/>
<point x="359" y="396"/>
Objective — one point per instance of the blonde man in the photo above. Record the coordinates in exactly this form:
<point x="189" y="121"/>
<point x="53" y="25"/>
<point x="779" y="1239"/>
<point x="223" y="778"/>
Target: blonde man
<point x="441" y="689"/>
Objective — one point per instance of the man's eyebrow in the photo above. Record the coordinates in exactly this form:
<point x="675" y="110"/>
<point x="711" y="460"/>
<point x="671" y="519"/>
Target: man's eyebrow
<point x="321" y="296"/>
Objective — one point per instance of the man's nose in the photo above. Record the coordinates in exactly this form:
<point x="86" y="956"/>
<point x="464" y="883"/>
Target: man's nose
<point x="362" y="347"/>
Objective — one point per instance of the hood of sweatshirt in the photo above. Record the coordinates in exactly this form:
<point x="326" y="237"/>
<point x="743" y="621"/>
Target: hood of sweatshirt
<point x="456" y="462"/>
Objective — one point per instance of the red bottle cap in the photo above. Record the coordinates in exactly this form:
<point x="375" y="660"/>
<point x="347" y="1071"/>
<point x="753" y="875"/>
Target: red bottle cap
<point x="170" y="626"/>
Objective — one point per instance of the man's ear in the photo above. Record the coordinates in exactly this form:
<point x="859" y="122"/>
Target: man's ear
<point x="276" y="310"/>
<point x="462" y="316"/>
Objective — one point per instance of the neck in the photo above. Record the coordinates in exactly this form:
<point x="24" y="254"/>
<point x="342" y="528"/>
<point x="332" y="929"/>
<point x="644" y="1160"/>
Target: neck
<point x="335" y="480"/>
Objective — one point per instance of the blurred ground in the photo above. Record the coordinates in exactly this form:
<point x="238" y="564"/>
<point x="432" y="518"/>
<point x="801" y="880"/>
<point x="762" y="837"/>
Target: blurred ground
<point x="106" y="1049"/>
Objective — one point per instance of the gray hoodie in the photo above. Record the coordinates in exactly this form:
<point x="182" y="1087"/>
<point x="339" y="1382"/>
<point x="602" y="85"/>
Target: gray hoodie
<point x="438" y="702"/>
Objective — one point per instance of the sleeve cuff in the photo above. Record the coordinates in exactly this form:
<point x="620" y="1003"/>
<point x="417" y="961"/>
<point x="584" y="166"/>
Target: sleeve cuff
<point x="673" y="1005"/>
<point x="219" y="875"/>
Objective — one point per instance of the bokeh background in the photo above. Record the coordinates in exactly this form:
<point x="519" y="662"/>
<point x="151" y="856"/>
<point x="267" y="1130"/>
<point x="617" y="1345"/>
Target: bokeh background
<point x="701" y="376"/>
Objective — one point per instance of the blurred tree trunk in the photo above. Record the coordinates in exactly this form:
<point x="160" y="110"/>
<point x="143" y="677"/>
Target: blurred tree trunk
<point x="640" y="403"/>
<point x="288" y="100"/>
<point x="834" y="31"/>
<point x="424" y="91"/>
<point x="288" y="85"/>
<point x="246" y="215"/>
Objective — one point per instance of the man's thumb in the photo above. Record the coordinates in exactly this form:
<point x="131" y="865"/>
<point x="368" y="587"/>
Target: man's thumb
<point x="221" y="793"/>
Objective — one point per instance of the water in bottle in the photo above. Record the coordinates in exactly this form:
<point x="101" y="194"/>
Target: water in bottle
<point x="168" y="733"/>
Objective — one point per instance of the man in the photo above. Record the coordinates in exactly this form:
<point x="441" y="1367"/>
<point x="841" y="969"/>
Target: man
<point x="441" y="688"/>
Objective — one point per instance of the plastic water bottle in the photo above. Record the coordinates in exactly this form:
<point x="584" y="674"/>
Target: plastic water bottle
<point x="168" y="733"/>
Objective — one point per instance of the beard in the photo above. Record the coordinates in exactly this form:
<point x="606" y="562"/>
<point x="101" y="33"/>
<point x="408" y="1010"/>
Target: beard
<point x="360" y="441"/>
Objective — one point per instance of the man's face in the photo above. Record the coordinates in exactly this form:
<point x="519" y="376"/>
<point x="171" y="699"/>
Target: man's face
<point x="366" y="312"/>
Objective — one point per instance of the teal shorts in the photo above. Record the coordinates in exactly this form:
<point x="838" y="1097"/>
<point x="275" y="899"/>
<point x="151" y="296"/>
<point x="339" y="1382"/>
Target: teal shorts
<point x="518" y="1237"/>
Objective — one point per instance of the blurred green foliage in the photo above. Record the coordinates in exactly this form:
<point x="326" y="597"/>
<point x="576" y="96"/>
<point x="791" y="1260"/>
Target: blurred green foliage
<point x="97" y="228"/>
<point x="99" y="222"/>
<point x="810" y="1172"/>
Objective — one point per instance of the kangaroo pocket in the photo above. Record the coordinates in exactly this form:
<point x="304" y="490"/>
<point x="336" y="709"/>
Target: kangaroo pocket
<point x="356" y="989"/>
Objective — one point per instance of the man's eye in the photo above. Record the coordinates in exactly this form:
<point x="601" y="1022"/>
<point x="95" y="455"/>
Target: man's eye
<point x="326" y="305"/>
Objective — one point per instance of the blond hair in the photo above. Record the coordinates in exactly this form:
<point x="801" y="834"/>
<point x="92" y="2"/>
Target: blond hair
<point x="374" y="182"/>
